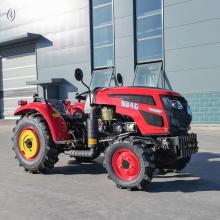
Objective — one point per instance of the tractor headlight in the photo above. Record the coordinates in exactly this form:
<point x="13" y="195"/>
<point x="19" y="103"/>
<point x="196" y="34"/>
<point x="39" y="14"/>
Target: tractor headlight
<point x="176" y="104"/>
<point x="189" y="110"/>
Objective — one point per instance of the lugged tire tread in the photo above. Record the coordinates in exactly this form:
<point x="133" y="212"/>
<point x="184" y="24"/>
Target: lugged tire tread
<point x="51" y="155"/>
<point x="147" y="154"/>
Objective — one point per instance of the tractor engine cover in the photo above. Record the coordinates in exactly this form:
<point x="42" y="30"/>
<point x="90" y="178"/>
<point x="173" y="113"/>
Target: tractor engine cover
<point x="147" y="108"/>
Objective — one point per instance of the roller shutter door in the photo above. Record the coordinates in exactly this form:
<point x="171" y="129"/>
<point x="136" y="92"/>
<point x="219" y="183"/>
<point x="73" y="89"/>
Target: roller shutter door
<point x="18" y="65"/>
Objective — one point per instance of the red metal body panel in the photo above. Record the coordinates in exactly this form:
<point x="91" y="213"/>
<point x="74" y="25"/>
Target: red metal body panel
<point x="79" y="106"/>
<point x="72" y="108"/>
<point x="102" y="97"/>
<point x="53" y="118"/>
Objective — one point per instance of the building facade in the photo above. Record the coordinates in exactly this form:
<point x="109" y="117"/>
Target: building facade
<point x="44" y="39"/>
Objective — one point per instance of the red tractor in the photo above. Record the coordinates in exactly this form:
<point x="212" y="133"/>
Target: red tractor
<point x="139" y="129"/>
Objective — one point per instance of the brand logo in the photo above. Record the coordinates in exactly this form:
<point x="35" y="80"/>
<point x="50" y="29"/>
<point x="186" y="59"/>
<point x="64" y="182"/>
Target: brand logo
<point x="131" y="105"/>
<point x="11" y="14"/>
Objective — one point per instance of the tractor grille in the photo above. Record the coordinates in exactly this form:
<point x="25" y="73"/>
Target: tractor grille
<point x="179" y="119"/>
<point x="188" y="145"/>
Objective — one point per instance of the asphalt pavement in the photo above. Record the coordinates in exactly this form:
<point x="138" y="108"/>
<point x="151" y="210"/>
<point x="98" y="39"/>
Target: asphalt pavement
<point x="82" y="191"/>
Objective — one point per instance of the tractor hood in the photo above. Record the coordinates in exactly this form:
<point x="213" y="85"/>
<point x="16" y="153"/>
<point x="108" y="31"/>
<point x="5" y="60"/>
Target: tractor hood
<point x="104" y="94"/>
<point x="167" y="112"/>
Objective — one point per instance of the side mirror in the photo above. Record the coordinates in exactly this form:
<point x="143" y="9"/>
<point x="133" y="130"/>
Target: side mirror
<point x="119" y="79"/>
<point x="78" y="74"/>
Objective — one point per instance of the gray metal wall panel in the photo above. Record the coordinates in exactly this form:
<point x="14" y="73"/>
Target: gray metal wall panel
<point x="190" y="11"/>
<point x="192" y="45"/>
<point x="198" y="34"/>
<point x="65" y="27"/>
<point x="22" y="72"/>
<point x="175" y="2"/>
<point x="205" y="56"/>
<point x="190" y="81"/>
<point x="123" y="8"/>
<point x="124" y="39"/>
<point x="42" y="11"/>
<point x="18" y="93"/>
<point x="17" y="83"/>
<point x="18" y="61"/>
<point x="13" y="86"/>
<point x="124" y="47"/>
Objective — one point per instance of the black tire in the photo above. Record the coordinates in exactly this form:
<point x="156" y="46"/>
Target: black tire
<point x="145" y="157"/>
<point x="179" y="164"/>
<point x="48" y="153"/>
<point x="86" y="159"/>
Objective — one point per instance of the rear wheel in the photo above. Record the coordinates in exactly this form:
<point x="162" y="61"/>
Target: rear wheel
<point x="33" y="144"/>
<point x="130" y="164"/>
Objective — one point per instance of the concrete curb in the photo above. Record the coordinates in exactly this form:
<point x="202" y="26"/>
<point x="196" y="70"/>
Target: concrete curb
<point x="213" y="127"/>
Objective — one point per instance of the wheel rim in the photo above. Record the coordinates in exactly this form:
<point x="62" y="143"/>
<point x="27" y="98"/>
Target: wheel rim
<point x="125" y="164"/>
<point x="28" y="143"/>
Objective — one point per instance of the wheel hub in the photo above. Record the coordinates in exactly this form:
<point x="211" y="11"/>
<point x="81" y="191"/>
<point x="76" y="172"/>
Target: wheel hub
<point x="28" y="143"/>
<point x="125" y="164"/>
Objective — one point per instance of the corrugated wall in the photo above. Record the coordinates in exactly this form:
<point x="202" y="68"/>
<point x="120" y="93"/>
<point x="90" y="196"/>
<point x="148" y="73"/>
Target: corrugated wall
<point x="192" y="51"/>
<point x="65" y="27"/>
<point x="124" y="43"/>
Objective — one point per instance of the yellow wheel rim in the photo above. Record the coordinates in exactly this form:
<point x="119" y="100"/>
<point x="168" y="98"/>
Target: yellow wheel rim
<point x="28" y="143"/>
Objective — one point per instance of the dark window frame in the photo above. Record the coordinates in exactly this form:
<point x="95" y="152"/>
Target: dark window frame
<point x="93" y="67"/>
<point x="136" y="63"/>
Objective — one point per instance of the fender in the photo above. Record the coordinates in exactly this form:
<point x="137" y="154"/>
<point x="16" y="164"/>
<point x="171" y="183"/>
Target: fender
<point x="55" y="121"/>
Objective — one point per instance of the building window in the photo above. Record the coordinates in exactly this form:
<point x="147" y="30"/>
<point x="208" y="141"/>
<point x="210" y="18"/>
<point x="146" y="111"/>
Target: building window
<point x="149" y="32"/>
<point x="102" y="31"/>
<point x="149" y="44"/>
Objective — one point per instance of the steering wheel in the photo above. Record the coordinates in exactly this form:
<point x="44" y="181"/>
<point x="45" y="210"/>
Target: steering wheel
<point x="81" y="96"/>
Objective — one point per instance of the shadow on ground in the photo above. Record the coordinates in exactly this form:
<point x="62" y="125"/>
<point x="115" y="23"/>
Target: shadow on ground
<point x="74" y="167"/>
<point x="202" y="174"/>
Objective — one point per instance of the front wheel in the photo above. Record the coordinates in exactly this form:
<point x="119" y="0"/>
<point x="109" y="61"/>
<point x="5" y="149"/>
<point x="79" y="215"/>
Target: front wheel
<point x="33" y="144"/>
<point x="130" y="165"/>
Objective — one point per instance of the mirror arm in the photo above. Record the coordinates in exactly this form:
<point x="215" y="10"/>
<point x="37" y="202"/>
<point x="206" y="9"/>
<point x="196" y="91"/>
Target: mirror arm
<point x="90" y="100"/>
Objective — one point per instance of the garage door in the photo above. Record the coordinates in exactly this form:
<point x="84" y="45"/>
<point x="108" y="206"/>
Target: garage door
<point x="18" y="65"/>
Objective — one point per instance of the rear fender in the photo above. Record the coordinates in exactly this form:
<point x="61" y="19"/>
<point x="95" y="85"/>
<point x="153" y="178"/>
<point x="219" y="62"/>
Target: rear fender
<point x="55" y="121"/>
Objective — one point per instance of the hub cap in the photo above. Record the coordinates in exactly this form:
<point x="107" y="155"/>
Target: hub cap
<point x="29" y="143"/>
<point x="125" y="164"/>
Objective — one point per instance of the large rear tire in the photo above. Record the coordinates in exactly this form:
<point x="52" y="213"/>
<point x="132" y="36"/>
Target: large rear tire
<point x="130" y="164"/>
<point x="33" y="144"/>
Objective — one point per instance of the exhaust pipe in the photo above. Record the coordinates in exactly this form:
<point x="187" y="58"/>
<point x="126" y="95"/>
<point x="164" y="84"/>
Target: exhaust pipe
<point x="92" y="128"/>
<point x="92" y="136"/>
